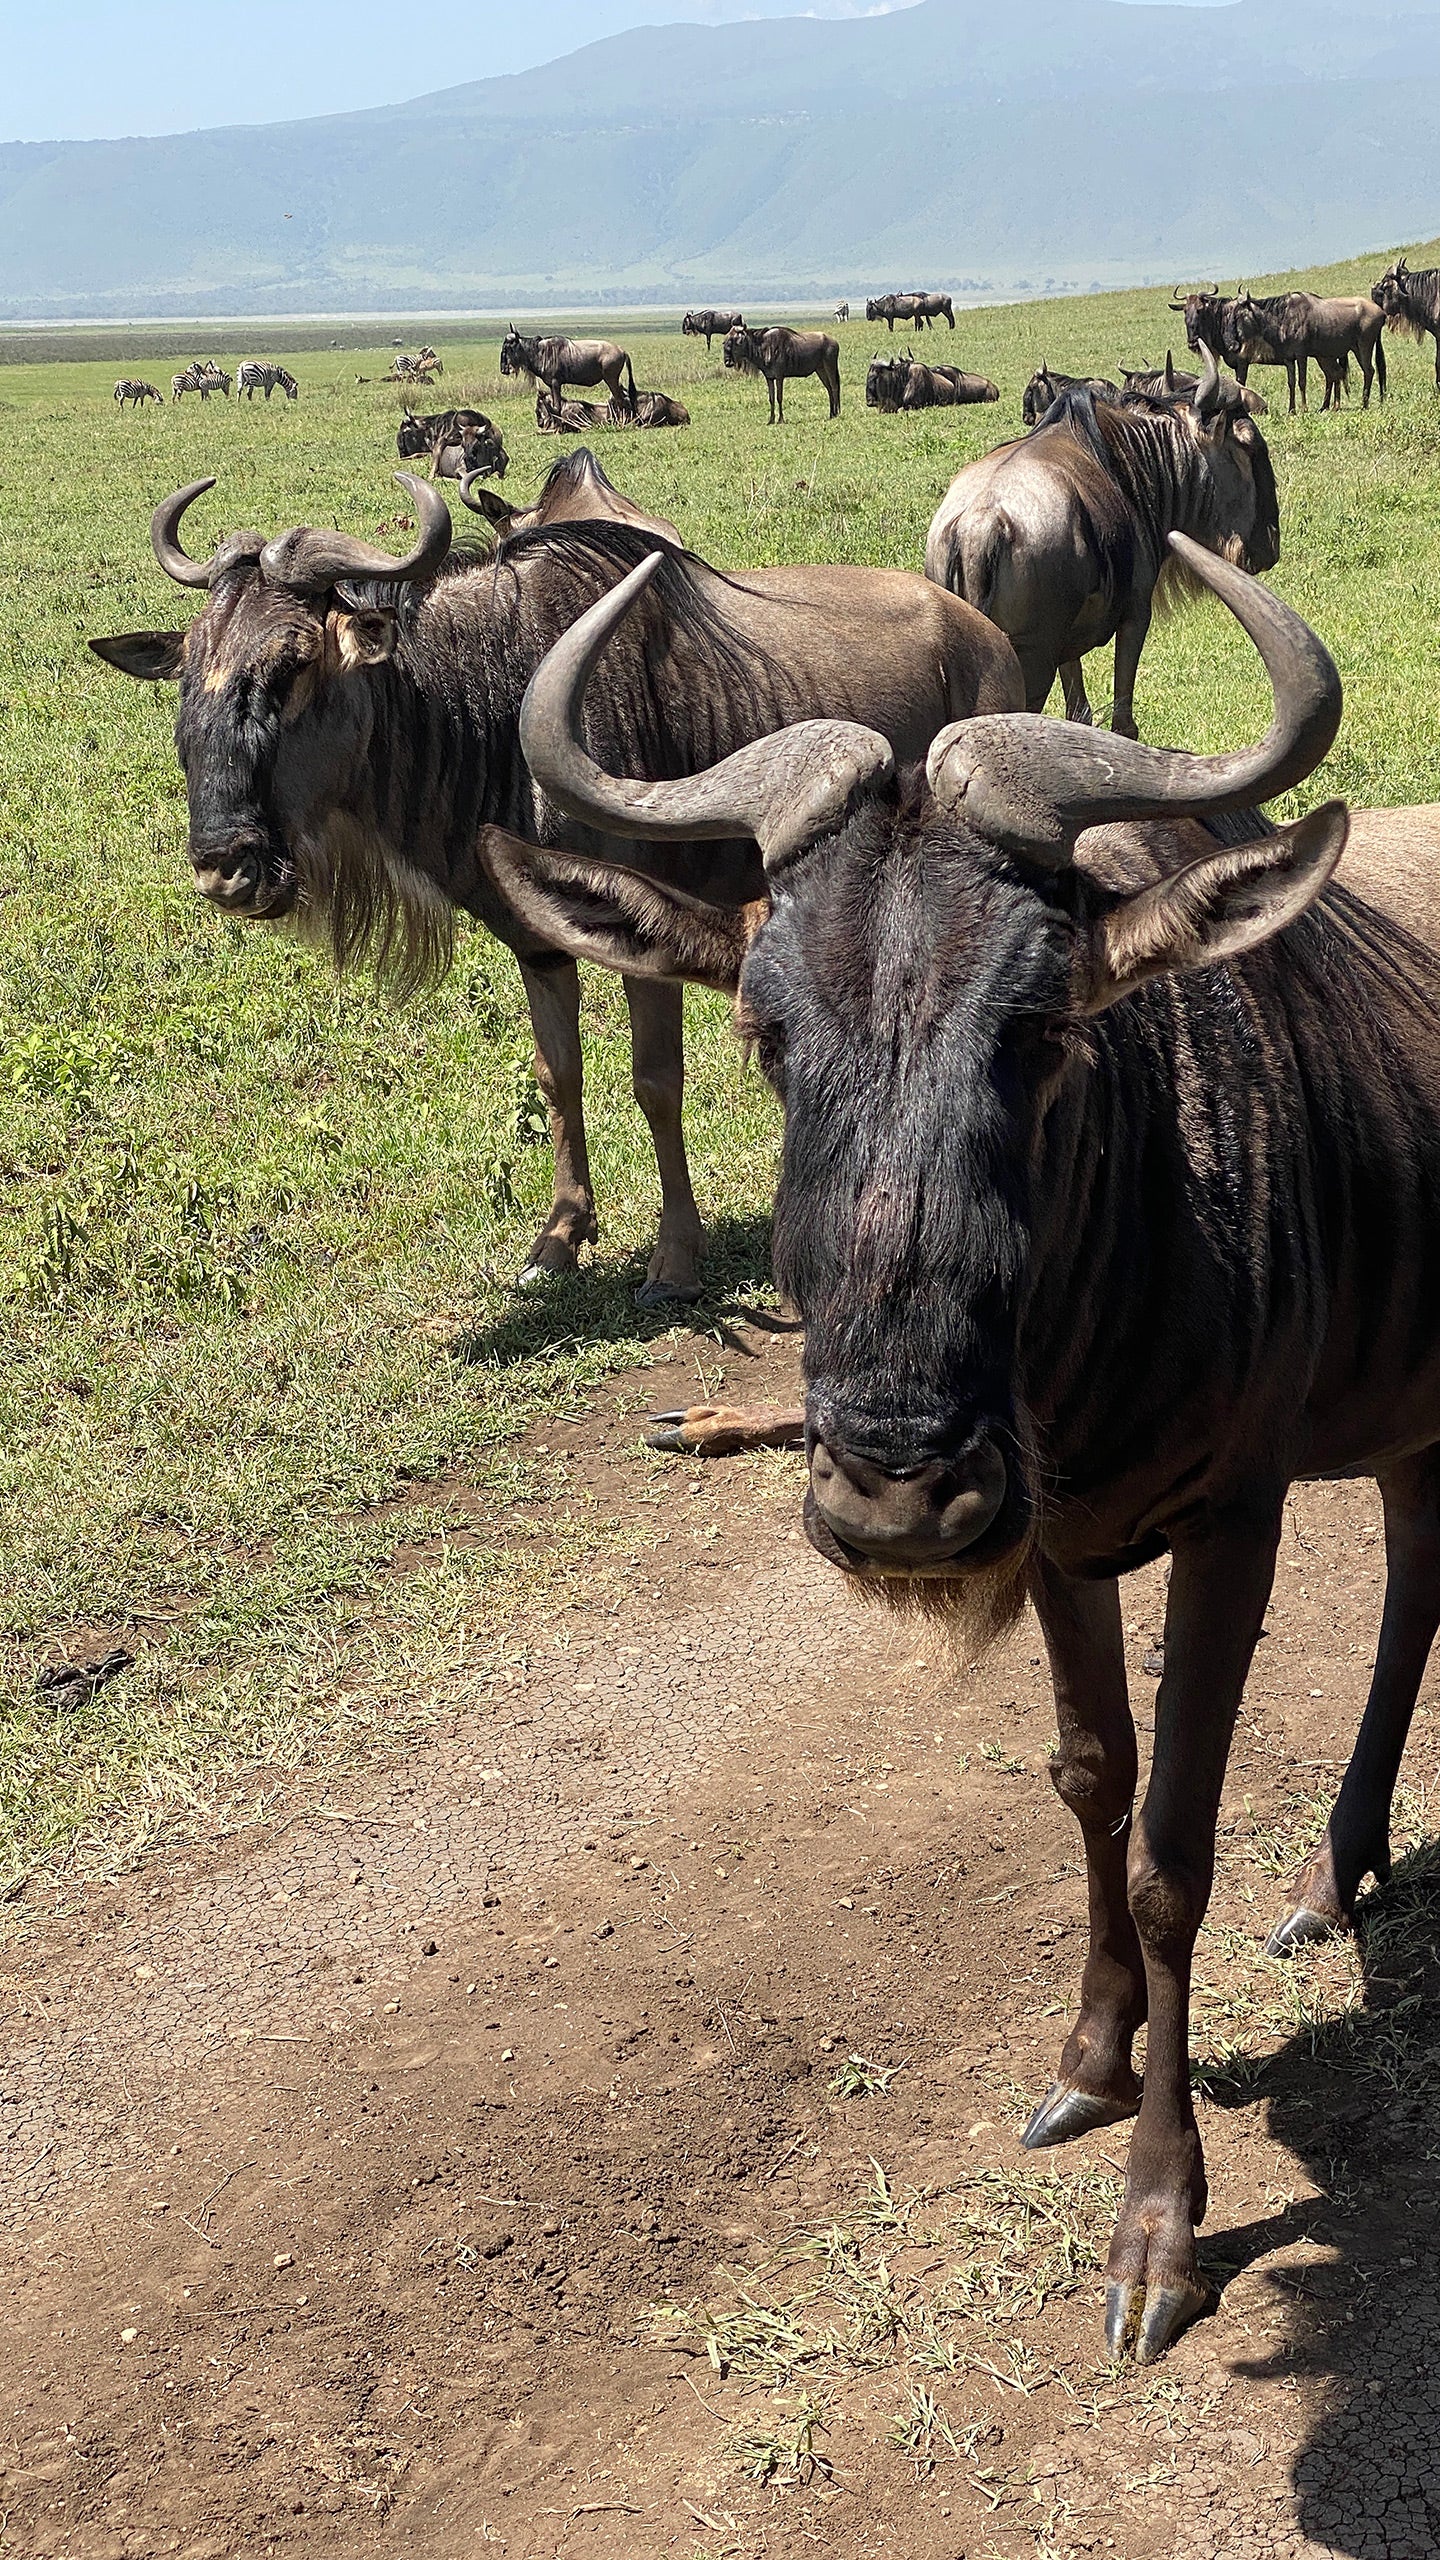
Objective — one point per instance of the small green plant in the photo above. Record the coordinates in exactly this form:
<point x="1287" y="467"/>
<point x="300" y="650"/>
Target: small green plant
<point x="858" y="2077"/>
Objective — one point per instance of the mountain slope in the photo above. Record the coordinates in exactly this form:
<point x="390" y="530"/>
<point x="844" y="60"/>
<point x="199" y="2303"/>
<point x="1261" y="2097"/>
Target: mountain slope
<point x="1056" y="142"/>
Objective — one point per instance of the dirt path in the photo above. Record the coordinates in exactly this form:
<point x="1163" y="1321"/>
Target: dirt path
<point x="350" y="2166"/>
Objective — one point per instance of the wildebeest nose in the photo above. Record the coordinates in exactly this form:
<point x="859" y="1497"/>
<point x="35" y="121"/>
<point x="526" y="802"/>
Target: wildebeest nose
<point x="235" y="874"/>
<point x="921" y="1517"/>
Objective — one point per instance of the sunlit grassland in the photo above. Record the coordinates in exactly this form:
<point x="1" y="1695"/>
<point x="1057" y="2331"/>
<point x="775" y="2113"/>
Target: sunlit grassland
<point x="260" y="1230"/>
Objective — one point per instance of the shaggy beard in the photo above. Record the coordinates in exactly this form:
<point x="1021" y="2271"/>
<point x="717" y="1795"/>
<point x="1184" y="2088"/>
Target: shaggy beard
<point x="361" y="910"/>
<point x="971" y="1611"/>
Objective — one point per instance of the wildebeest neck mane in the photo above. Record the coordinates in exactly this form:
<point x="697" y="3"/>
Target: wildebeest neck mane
<point x="1156" y="465"/>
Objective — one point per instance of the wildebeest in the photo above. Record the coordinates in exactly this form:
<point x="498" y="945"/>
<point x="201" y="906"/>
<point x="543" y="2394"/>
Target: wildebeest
<point x="554" y="416"/>
<point x="253" y="377"/>
<point x="1294" y="329"/>
<point x="1063" y="537"/>
<point x="204" y="376"/>
<point x="583" y="363"/>
<point x="1161" y="386"/>
<point x="658" y="409"/>
<point x="1410" y="300"/>
<point x="780" y="355"/>
<point x="1110" y="1201"/>
<point x="1044" y="388"/>
<point x="130" y="388"/>
<point x="456" y="441"/>
<point x="710" y="324"/>
<point x="895" y="383"/>
<point x="348" y="728"/>
<point x="917" y="310"/>
<point x="575" y="490"/>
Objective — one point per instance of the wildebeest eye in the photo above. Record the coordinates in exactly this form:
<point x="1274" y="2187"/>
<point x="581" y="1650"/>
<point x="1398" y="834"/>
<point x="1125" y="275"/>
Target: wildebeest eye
<point x="765" y="1039"/>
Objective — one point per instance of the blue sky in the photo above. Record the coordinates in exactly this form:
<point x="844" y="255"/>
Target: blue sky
<point x="103" y="67"/>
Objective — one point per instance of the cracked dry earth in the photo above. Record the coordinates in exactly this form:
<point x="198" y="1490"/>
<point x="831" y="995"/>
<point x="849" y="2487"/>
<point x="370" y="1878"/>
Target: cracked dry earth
<point x="348" y="2162"/>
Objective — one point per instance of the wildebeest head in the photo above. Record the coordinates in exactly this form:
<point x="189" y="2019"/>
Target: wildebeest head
<point x="268" y="716"/>
<point x="742" y="350"/>
<point x="885" y="381"/>
<point x="514" y="351"/>
<point x="1204" y="313"/>
<point x="917" y="984"/>
<point x="1391" y="291"/>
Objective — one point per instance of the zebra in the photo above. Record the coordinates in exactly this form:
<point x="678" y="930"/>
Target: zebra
<point x="130" y="388"/>
<point x="253" y="377"/>
<point x="204" y="376"/>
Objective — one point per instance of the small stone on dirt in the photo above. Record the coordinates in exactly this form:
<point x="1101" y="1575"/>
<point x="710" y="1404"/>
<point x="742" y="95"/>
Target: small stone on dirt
<point x="605" y="1930"/>
<point x="128" y="2337"/>
<point x="283" y="2258"/>
<point x="430" y="1948"/>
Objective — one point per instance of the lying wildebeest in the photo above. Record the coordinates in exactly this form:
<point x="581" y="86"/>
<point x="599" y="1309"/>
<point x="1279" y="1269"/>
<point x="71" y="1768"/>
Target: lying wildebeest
<point x="1044" y="388"/>
<point x="1410" y="300"/>
<point x="575" y="490"/>
<point x="1161" y="387"/>
<point x="204" y="376"/>
<point x="555" y="417"/>
<point x="253" y="377"/>
<point x="1110" y="1200"/>
<point x="896" y="383"/>
<point x="1295" y="329"/>
<point x="348" y="727"/>
<point x="1063" y="537"/>
<point x="583" y="363"/>
<point x="457" y="441"/>
<point x="658" y="409"/>
<point x="131" y="388"/>
<point x="778" y="356"/>
<point x="710" y="324"/>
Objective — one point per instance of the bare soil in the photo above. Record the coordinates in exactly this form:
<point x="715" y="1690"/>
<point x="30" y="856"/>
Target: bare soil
<point x="347" y="2163"/>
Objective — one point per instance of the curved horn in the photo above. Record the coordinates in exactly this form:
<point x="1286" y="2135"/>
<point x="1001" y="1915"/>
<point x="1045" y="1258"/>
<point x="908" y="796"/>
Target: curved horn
<point x="1208" y="397"/>
<point x="785" y="791"/>
<point x="1034" y="784"/>
<point x="164" y="536"/>
<point x="311" y="558"/>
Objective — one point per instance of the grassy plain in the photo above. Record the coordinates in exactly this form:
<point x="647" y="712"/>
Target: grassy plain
<point x="258" y="1230"/>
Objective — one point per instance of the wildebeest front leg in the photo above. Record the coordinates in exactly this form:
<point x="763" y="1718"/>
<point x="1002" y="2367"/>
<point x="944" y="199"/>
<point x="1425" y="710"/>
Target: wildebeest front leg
<point x="657" y="1041"/>
<point x="1094" y="1774"/>
<point x="553" y="995"/>
<point x="1072" y="684"/>
<point x="1357" y="1837"/>
<point x="1129" y="641"/>
<point x="1219" y="1584"/>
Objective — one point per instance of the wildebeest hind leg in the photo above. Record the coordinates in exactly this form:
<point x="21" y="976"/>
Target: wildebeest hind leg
<point x="1094" y="1774"/>
<point x="1357" y="1837"/>
<point x="1220" y="1583"/>
<point x="553" y="995"/>
<point x="1129" y="641"/>
<point x="657" y="1042"/>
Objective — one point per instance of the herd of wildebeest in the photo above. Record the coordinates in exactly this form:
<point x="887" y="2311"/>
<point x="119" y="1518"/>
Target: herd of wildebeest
<point x="1109" y="1195"/>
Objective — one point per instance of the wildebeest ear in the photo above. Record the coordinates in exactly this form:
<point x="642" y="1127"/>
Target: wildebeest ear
<point x="152" y="657"/>
<point x="1214" y="909"/>
<point x="363" y="638"/>
<point x="623" y="920"/>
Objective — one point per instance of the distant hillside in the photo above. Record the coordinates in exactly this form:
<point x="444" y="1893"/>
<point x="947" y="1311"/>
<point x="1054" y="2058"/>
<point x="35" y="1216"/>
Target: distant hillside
<point x="1042" y="145"/>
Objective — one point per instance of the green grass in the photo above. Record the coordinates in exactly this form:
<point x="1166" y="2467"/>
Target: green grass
<point x="258" y="1231"/>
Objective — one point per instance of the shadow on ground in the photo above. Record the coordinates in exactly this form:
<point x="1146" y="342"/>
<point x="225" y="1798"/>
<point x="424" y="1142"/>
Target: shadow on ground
<point x="580" y="1310"/>
<point x="1357" y="2100"/>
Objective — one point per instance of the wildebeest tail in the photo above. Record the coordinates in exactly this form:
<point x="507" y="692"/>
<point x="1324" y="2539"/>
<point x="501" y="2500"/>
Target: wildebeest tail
<point x="630" y="380"/>
<point x="978" y="559"/>
<point x="1380" y="374"/>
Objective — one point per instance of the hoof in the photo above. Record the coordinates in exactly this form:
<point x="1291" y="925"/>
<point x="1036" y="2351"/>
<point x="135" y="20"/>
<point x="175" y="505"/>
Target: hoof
<point x="1303" y="1928"/>
<point x="668" y="1293"/>
<point x="1065" y="2113"/>
<point x="1149" y="2318"/>
<point x="668" y="1434"/>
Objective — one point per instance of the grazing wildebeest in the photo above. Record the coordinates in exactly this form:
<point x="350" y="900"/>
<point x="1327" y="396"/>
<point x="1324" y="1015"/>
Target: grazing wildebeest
<point x="253" y="377"/>
<point x="131" y="388"/>
<point x="1110" y="1200"/>
<point x="710" y="324"/>
<point x="204" y="376"/>
<point x="1410" y="300"/>
<point x="777" y="356"/>
<point x="583" y="363"/>
<point x="1295" y="329"/>
<point x="842" y="310"/>
<point x="1063" y="537"/>
<point x="1044" y="388"/>
<point x="457" y="441"/>
<point x="348" y="727"/>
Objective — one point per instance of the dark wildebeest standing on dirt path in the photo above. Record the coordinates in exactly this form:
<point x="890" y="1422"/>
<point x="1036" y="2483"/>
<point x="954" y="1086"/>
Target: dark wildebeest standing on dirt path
<point x="1063" y="538"/>
<point x="583" y="363"/>
<point x="348" y="727"/>
<point x="1295" y="329"/>
<point x="1110" y="1200"/>
<point x="710" y="324"/>
<point x="1410" y="300"/>
<point x="778" y="356"/>
<point x="131" y="388"/>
